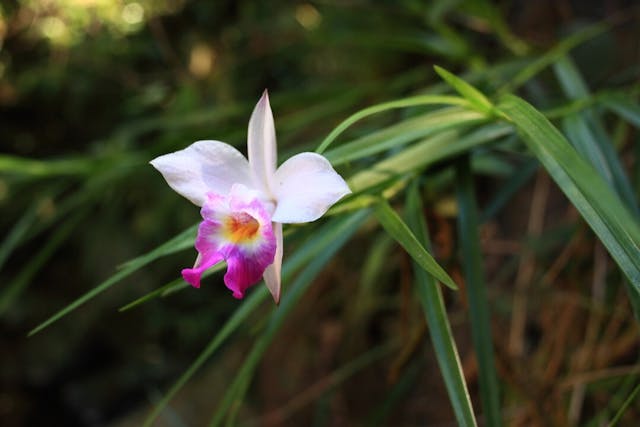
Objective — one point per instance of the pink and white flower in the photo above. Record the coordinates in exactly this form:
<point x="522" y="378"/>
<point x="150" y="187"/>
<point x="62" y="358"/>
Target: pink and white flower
<point x="245" y="202"/>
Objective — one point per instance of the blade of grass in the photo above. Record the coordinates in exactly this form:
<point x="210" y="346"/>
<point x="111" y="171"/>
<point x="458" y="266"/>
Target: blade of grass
<point x="240" y="315"/>
<point x="180" y="242"/>
<point x="439" y="329"/>
<point x="624" y="107"/>
<point x="425" y="153"/>
<point x="479" y="315"/>
<point x="395" y="226"/>
<point x="625" y="406"/>
<point x="586" y="131"/>
<point x="14" y="237"/>
<point x="46" y="168"/>
<point x="468" y="92"/>
<point x="150" y="295"/>
<point x="597" y="203"/>
<point x="37" y="261"/>
<point x="545" y="60"/>
<point x="402" y="133"/>
<point x="401" y="103"/>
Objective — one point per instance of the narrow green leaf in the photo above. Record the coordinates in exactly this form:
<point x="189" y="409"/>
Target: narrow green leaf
<point x="17" y="232"/>
<point x="46" y="168"/>
<point x="404" y="132"/>
<point x="13" y="289"/>
<point x="425" y="153"/>
<point x="401" y="103"/>
<point x="395" y="226"/>
<point x="623" y="106"/>
<point x="470" y="93"/>
<point x="616" y="419"/>
<point x="600" y="207"/>
<point x="150" y="295"/>
<point x="548" y="58"/>
<point x="243" y="311"/>
<point x="436" y="314"/>
<point x="587" y="133"/>
<point x="178" y="243"/>
<point x="477" y="295"/>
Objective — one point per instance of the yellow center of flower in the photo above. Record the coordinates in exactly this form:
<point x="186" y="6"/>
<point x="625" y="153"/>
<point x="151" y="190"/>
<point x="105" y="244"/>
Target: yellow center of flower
<point x="241" y="228"/>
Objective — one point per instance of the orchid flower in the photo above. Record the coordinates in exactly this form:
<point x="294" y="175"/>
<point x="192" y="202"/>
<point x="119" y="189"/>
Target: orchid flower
<point x="245" y="202"/>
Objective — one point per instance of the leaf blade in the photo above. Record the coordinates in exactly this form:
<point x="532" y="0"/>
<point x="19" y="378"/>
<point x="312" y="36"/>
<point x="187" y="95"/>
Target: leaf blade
<point x="432" y="302"/>
<point x="598" y="204"/>
<point x="396" y="227"/>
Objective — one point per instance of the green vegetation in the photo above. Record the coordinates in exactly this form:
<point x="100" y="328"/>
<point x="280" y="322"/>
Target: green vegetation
<point x="490" y="149"/>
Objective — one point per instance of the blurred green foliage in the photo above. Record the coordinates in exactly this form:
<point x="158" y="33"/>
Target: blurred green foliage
<point x="91" y="90"/>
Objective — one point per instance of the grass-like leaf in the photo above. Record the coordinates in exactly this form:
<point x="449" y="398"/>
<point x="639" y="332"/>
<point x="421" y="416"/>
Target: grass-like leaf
<point x="436" y="314"/>
<point x="425" y="153"/>
<point x="400" y="103"/>
<point x="618" y="416"/>
<point x="587" y="133"/>
<point x="242" y="312"/>
<point x="468" y="92"/>
<point x="595" y="200"/>
<point x="396" y="227"/>
<point x="548" y="58"/>
<point x="395" y="136"/>
<point x="13" y="289"/>
<point x="178" y="243"/>
<point x="624" y="107"/>
<point x="477" y="295"/>
<point x="18" y="231"/>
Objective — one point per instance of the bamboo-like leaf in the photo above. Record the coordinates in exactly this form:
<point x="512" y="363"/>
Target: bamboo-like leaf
<point x="477" y="295"/>
<point x="439" y="329"/>
<point x="600" y="207"/>
<point x="468" y="92"/>
<point x="395" y="226"/>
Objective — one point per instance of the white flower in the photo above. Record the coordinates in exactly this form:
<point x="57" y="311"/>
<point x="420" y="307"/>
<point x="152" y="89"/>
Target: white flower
<point x="245" y="202"/>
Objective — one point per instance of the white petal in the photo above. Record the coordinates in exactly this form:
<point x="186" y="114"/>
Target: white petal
<point x="272" y="274"/>
<point x="305" y="186"/>
<point x="202" y="167"/>
<point x="261" y="142"/>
